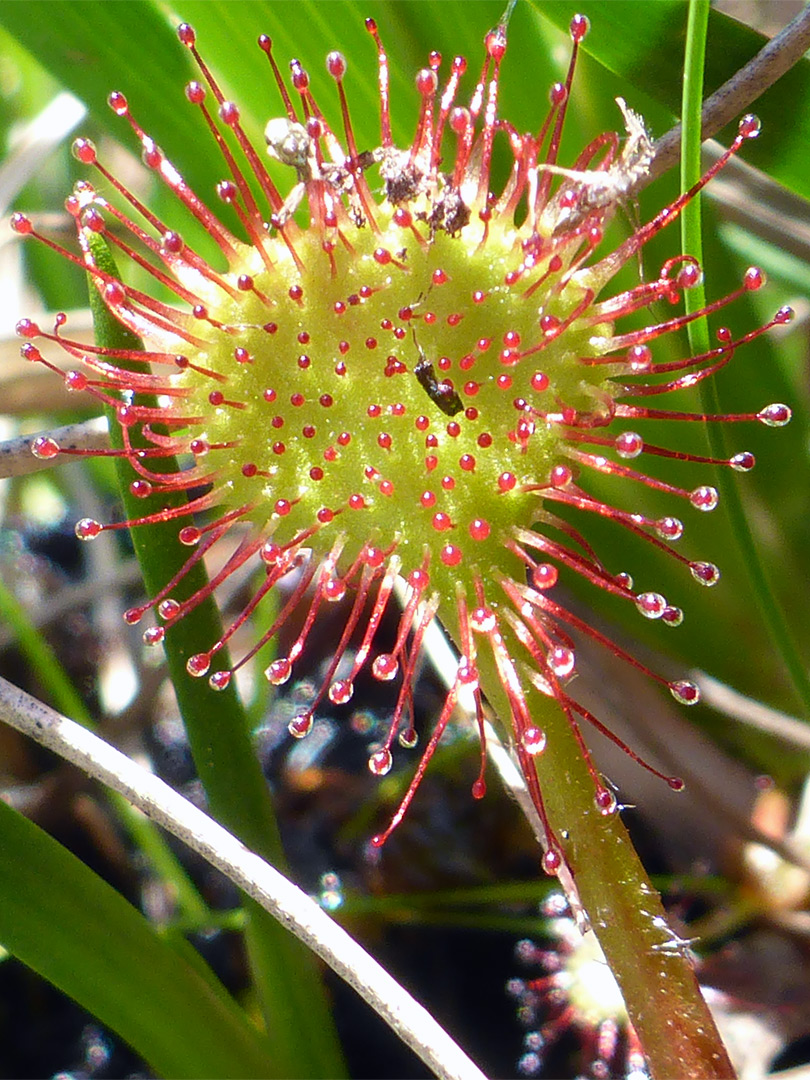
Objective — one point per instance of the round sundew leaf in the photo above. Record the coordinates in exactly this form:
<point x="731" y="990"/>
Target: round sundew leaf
<point x="475" y="558"/>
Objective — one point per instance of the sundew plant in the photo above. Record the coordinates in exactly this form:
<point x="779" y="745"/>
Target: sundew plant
<point x="398" y="336"/>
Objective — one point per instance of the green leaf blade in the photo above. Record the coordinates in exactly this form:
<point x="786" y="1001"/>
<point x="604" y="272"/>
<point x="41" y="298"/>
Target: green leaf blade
<point x="75" y="930"/>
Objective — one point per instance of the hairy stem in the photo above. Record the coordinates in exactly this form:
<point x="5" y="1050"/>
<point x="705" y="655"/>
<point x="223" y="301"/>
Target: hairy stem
<point x="648" y="960"/>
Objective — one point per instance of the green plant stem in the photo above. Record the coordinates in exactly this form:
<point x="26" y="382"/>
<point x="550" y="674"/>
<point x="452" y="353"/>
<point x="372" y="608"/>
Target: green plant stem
<point x="286" y="977"/>
<point x="699" y="342"/>
<point x="647" y="959"/>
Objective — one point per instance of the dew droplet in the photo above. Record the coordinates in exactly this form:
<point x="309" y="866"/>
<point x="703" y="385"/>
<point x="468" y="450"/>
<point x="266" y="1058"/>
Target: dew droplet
<point x="776" y="415"/>
<point x="408" y="738"/>
<point x="361" y="722"/>
<point x="690" y="275"/>
<point x="562" y="661"/>
<point x="380" y="762"/>
<point x="551" y="861"/>
<point x="482" y="620"/>
<point x="45" y="448"/>
<point x="672" y="616"/>
<point x="198" y="664"/>
<point x="560" y="476"/>
<point x="544" y="576"/>
<point x="154" y="635"/>
<point x="705" y="573"/>
<point x="330" y="895"/>
<point x="533" y="740"/>
<point x="87" y="529"/>
<point x="530" y="1063"/>
<point x="639" y="357"/>
<point x="479" y="788"/>
<point x="168" y="609"/>
<point x="300" y="726"/>
<point x="220" y="680"/>
<point x="189" y="535"/>
<point x="385" y="667"/>
<point x="75" y="381"/>
<point x="743" y="462"/>
<point x="652" y="605"/>
<point x="341" y="691"/>
<point x="606" y="802"/>
<point x="279" y="671"/>
<point x="334" y="590"/>
<point x="687" y="693"/>
<point x="669" y="528"/>
<point x="629" y="444"/>
<point x="269" y="553"/>
<point x="704" y="498"/>
<point x="336" y="64"/>
<point x="142" y="489"/>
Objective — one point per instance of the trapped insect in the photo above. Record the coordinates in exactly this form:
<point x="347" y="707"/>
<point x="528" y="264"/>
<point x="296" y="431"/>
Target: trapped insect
<point x="440" y="393"/>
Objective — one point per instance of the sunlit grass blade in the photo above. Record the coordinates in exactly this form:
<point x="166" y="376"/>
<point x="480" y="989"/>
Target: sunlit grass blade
<point x="62" y="920"/>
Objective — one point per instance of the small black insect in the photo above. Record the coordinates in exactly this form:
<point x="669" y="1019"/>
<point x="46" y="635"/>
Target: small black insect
<point x="441" y="393"/>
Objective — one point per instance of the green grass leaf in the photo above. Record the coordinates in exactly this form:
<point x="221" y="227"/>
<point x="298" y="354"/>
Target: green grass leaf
<point x="75" y="930"/>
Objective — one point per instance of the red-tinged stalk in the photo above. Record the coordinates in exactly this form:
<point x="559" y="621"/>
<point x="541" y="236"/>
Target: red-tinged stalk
<point x="406" y="388"/>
